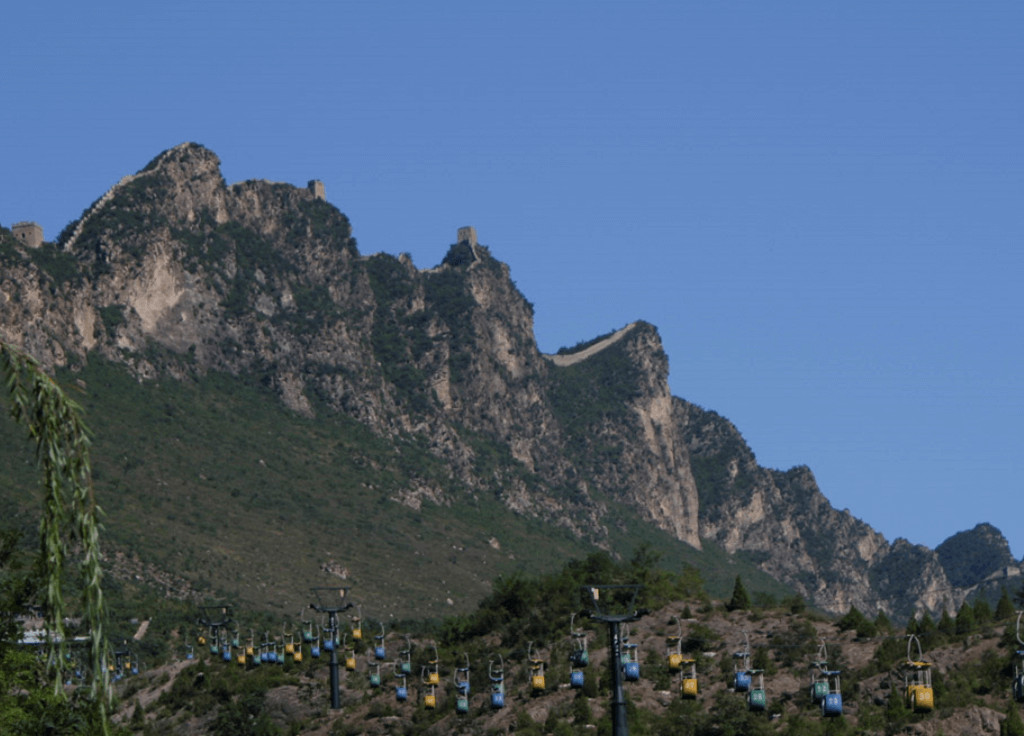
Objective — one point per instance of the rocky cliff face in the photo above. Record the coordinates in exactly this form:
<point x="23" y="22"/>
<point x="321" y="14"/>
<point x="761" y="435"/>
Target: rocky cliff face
<point x="175" y="272"/>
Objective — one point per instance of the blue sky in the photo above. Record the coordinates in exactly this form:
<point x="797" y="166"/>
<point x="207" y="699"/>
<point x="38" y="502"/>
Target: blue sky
<point x="818" y="204"/>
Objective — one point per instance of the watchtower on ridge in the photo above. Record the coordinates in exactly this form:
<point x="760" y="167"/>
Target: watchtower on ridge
<point x="29" y="233"/>
<point x="316" y="187"/>
<point x="467" y="234"/>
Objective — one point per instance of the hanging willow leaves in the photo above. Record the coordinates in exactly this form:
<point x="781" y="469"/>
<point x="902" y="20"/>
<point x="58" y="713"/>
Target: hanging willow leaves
<point x="69" y="511"/>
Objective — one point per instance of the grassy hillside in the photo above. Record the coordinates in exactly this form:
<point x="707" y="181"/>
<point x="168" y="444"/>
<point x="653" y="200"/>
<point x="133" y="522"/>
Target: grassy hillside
<point x="217" y="483"/>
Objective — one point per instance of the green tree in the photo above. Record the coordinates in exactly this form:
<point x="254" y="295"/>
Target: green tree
<point x="882" y="622"/>
<point x="982" y="611"/>
<point x="1013" y="725"/>
<point x="740" y="600"/>
<point x="70" y="516"/>
<point x="1004" y="608"/>
<point x="946" y="624"/>
<point x="857" y="621"/>
<point x="965" y="619"/>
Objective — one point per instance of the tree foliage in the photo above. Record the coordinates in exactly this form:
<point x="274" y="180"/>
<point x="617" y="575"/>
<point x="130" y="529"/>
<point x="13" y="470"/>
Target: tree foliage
<point x="740" y="600"/>
<point x="70" y="516"/>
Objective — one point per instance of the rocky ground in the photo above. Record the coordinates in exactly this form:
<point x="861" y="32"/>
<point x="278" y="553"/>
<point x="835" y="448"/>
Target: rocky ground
<point x="301" y="703"/>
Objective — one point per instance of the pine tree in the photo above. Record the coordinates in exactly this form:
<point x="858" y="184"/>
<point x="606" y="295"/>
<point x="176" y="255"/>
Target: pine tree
<point x="882" y="622"/>
<point x="926" y="624"/>
<point x="982" y="611"/>
<point x="740" y="600"/>
<point x="946" y="624"/>
<point x="1012" y="726"/>
<point x="965" y="619"/>
<point x="1004" y="608"/>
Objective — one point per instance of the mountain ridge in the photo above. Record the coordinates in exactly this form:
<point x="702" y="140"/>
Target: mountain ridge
<point x="175" y="273"/>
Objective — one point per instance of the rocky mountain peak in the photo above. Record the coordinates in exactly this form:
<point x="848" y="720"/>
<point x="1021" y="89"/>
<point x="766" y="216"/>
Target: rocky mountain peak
<point x="173" y="272"/>
<point x="972" y="555"/>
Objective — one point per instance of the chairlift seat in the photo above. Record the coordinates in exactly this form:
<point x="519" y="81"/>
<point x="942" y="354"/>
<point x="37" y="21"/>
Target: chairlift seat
<point x="689" y="688"/>
<point x="832" y="705"/>
<point x="757" y="701"/>
<point x="819" y="690"/>
<point x="921" y="699"/>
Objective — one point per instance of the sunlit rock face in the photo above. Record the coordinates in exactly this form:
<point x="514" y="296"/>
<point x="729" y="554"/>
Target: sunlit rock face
<point x="174" y="272"/>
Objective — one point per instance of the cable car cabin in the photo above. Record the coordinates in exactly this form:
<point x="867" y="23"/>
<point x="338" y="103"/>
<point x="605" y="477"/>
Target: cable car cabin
<point x="241" y="659"/>
<point x="350" y="663"/>
<point x="819" y="681"/>
<point x="462" y="699"/>
<point x="675" y="654"/>
<point x="757" y="700"/>
<point x="537" y="683"/>
<point x="298" y="654"/>
<point x="406" y="668"/>
<point x="430" y="701"/>
<point x="918" y="680"/>
<point x="579" y="657"/>
<point x="630" y="663"/>
<point x="315" y="651"/>
<point x="226" y="656"/>
<point x="433" y="677"/>
<point x="329" y="644"/>
<point x="401" y="693"/>
<point x="189" y="652"/>
<point x="498" y="699"/>
<point x="741" y="680"/>
<point x="497" y="693"/>
<point x="832" y="703"/>
<point x="688" y="688"/>
<point x="374" y="679"/>
<point x="576" y="680"/>
<point x="289" y="648"/>
<point x="379" y="652"/>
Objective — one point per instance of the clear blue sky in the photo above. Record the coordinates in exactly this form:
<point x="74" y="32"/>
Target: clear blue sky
<point x="819" y="204"/>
